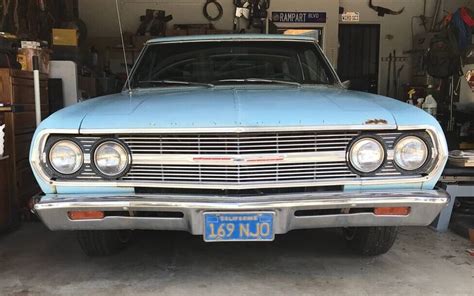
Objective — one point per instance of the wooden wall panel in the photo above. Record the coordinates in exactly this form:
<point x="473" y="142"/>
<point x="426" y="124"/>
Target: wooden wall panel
<point x="17" y="89"/>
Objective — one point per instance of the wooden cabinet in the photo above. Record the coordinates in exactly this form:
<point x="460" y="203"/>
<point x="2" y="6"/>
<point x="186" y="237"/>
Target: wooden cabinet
<point x="5" y="193"/>
<point x="17" y="90"/>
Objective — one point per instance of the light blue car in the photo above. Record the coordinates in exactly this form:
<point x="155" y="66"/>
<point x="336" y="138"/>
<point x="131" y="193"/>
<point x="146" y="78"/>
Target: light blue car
<point x="238" y="138"/>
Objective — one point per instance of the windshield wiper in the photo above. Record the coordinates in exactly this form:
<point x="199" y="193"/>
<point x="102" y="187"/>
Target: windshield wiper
<point x="175" y="82"/>
<point x="261" y="80"/>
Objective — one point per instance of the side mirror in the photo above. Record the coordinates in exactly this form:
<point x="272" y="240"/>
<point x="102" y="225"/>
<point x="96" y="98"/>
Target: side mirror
<point x="346" y="84"/>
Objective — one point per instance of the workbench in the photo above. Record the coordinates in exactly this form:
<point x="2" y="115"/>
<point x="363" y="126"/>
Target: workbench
<point x="458" y="182"/>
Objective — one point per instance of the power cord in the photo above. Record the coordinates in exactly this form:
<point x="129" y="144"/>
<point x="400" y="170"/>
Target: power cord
<point x="206" y="10"/>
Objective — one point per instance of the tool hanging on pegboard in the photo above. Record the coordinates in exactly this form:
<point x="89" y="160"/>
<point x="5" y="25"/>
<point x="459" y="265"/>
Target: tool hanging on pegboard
<point x="242" y="11"/>
<point x="394" y="73"/>
<point x="258" y="13"/>
<point x="255" y="12"/>
<point x="153" y="23"/>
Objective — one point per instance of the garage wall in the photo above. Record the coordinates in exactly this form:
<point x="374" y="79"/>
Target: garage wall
<point x="395" y="30"/>
<point x="100" y="16"/>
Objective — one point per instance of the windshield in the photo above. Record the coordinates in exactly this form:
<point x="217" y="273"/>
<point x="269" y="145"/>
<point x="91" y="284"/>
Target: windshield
<point x="232" y="62"/>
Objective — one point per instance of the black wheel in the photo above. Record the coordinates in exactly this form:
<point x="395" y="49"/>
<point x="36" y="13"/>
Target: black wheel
<point x="371" y="241"/>
<point x="103" y="243"/>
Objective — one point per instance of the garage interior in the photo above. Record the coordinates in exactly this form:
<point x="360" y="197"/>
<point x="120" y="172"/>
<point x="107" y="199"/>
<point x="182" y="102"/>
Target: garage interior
<point x="380" y="47"/>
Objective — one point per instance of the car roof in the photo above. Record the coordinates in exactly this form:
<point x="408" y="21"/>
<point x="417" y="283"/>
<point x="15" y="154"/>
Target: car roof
<point x="232" y="37"/>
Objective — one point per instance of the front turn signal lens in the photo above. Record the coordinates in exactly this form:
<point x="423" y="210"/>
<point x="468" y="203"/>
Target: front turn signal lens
<point x="86" y="215"/>
<point x="402" y="211"/>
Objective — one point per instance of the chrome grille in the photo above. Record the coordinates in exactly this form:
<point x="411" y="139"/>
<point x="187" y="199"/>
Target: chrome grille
<point x="241" y="174"/>
<point x="238" y="143"/>
<point x="87" y="143"/>
<point x="389" y="170"/>
<point x="389" y="138"/>
<point x="88" y="174"/>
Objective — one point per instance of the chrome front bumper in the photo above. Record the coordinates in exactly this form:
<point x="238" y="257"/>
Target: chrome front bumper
<point x="425" y="206"/>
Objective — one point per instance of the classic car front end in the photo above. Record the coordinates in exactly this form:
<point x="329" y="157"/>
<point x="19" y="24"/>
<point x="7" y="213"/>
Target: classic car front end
<point x="240" y="156"/>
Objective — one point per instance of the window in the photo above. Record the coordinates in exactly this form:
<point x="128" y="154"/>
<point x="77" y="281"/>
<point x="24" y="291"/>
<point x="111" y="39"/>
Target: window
<point x="222" y="62"/>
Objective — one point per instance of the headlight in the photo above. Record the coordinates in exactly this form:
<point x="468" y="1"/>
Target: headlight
<point x="111" y="159"/>
<point x="411" y="153"/>
<point x="367" y="155"/>
<point x="66" y="157"/>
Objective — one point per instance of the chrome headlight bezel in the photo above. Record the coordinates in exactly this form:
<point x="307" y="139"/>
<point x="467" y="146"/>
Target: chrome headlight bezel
<point x="126" y="153"/>
<point x="357" y="168"/>
<point x="428" y="162"/>
<point x="79" y="153"/>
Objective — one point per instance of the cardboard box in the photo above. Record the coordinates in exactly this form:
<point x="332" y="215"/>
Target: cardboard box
<point x="25" y="58"/>
<point x="65" y="37"/>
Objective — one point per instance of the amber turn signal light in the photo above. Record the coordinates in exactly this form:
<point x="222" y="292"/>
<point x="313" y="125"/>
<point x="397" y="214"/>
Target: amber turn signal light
<point x="405" y="211"/>
<point x="86" y="215"/>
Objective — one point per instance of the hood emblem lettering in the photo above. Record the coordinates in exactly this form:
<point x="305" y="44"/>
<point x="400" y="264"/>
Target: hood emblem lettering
<point x="376" y="121"/>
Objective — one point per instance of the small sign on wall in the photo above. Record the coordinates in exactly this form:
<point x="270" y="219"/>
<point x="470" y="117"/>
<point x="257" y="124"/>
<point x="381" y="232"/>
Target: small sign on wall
<point x="350" y="17"/>
<point x="299" y="17"/>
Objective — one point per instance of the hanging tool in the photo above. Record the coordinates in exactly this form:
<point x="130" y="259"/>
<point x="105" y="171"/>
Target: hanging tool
<point x="394" y="73"/>
<point x="242" y="10"/>
<point x="389" y="73"/>
<point x="154" y="23"/>
<point x="219" y="8"/>
<point x="451" y="122"/>
<point x="258" y="13"/>
<point x="397" y="86"/>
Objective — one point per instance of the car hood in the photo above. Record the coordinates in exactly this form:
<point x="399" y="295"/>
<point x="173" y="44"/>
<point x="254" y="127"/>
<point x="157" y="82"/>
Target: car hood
<point x="238" y="107"/>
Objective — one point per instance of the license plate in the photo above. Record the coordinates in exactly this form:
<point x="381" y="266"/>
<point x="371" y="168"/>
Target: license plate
<point x="222" y="227"/>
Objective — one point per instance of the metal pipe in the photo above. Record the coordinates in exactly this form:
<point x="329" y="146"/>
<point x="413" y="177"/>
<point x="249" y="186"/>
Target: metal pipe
<point x="36" y="80"/>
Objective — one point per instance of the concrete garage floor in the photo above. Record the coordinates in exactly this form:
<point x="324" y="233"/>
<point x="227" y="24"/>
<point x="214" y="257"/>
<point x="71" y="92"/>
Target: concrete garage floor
<point x="34" y="261"/>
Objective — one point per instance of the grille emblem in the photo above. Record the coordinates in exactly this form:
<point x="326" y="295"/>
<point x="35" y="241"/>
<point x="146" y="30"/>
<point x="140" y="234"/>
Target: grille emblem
<point x="242" y="159"/>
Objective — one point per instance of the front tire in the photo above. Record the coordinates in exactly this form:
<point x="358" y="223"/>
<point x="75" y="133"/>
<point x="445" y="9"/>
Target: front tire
<point x="371" y="241"/>
<point x="101" y="243"/>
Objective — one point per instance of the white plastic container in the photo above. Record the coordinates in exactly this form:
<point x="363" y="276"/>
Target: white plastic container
<point x="2" y="140"/>
<point x="430" y="105"/>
